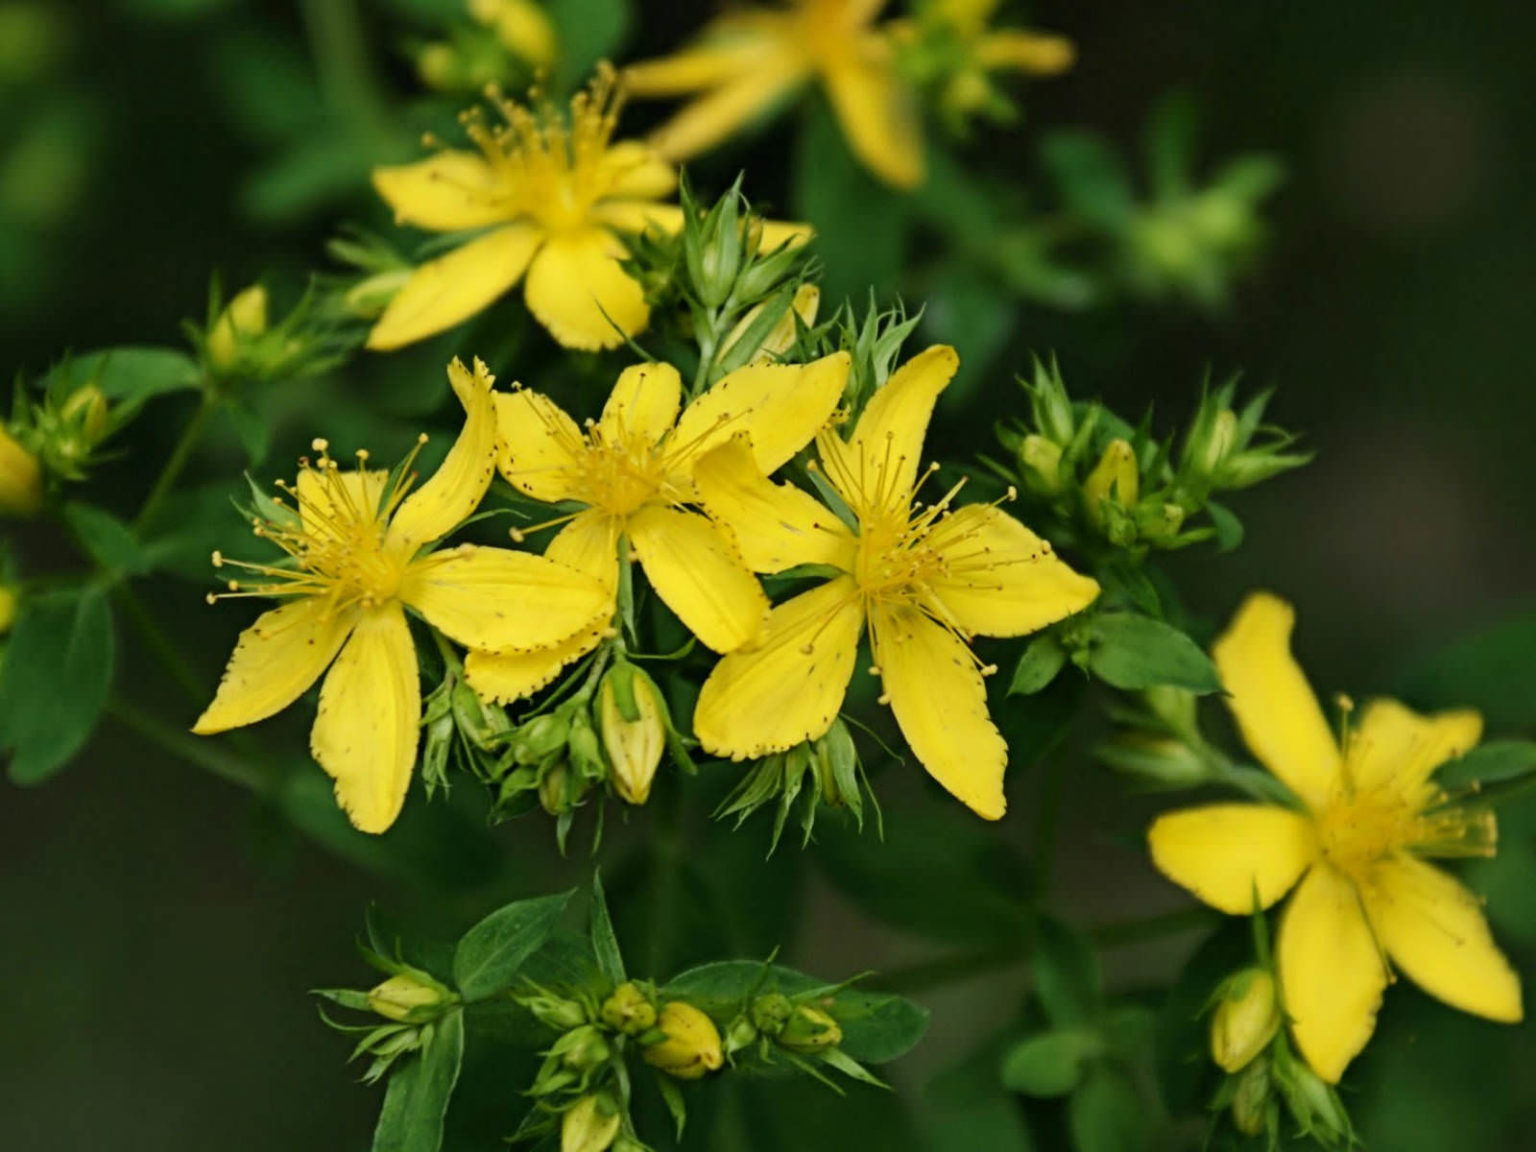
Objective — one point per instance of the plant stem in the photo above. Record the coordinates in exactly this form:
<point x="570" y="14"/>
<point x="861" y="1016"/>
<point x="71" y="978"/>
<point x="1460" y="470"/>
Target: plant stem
<point x="344" y="63"/>
<point x="188" y="747"/>
<point x="176" y="463"/>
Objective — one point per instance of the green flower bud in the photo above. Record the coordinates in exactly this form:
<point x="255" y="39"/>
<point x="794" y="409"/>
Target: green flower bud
<point x="21" y="478"/>
<point x="1040" y="465"/>
<point x="243" y="319"/>
<point x="634" y="743"/>
<point x="1313" y="1104"/>
<point x="87" y="410"/>
<point x="690" y="1046"/>
<point x="809" y="1029"/>
<point x="582" y="1049"/>
<point x="740" y="1033"/>
<point x="406" y="996"/>
<point x="590" y="1125"/>
<point x="540" y="737"/>
<point x="771" y="1012"/>
<point x="556" y="1012"/>
<point x="1113" y="480"/>
<point x="629" y="1010"/>
<point x="1251" y="1098"/>
<point x="586" y="753"/>
<point x="1246" y="1018"/>
<point x="368" y="298"/>
<point x="1162" y="762"/>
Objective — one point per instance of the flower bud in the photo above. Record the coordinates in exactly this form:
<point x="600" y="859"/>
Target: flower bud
<point x="1040" y="461"/>
<point x="1114" y="479"/>
<point x="582" y="1049"/>
<point x="585" y="751"/>
<point x="781" y="337"/>
<point x="21" y="478"/>
<point x="243" y="319"/>
<point x="540" y="738"/>
<point x="771" y="1012"/>
<point x="629" y="1010"/>
<point x="555" y="1012"/>
<point x="691" y="1043"/>
<point x="368" y="298"/>
<point x="403" y="996"/>
<point x="1161" y="762"/>
<point x="809" y="1029"/>
<point x="1251" y="1099"/>
<point x="521" y="26"/>
<point x="740" y="1033"/>
<point x="634" y="743"/>
<point x="1313" y="1104"/>
<point x="8" y="604"/>
<point x="590" y="1125"/>
<point x="560" y="789"/>
<point x="1246" y="1019"/>
<point x="1220" y="439"/>
<point x="87" y="411"/>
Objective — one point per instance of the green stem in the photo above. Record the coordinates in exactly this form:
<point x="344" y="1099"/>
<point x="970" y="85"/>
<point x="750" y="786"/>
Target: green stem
<point x="186" y="746"/>
<point x="175" y="464"/>
<point x="160" y="644"/>
<point x="1123" y="932"/>
<point x="345" y="65"/>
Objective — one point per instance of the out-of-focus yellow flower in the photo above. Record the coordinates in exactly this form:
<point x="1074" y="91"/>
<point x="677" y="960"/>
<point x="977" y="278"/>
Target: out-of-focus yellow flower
<point x="632" y="471"/>
<point x="749" y="61"/>
<point x="1370" y="815"/>
<point x="360" y="545"/>
<point x="551" y="198"/>
<point x="924" y="578"/>
<point x="244" y="318"/>
<point x="522" y="27"/>
<point x="691" y="1046"/>
<point x="21" y="478"/>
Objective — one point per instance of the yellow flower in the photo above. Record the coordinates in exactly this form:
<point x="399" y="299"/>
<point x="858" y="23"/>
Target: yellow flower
<point x="632" y="470"/>
<point x="749" y="61"/>
<point x="358" y="543"/>
<point x="1370" y="815"/>
<point x="924" y="578"/>
<point x="21" y="478"/>
<point x="553" y="200"/>
<point x="1005" y="48"/>
<point x="522" y="27"/>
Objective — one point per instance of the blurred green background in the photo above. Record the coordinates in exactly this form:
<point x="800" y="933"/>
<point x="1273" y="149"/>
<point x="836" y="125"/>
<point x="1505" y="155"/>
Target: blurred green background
<point x="158" y="929"/>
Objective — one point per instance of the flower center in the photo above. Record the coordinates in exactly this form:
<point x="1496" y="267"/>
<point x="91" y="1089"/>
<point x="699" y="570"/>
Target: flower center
<point x="893" y="561"/>
<point x="336" y="535"/>
<point x="1358" y="830"/>
<point x="620" y="476"/>
<point x="554" y="167"/>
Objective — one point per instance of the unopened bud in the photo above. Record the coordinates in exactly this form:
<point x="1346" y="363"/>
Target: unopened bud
<point x="740" y="1033"/>
<point x="582" y="1049"/>
<point x="560" y="789"/>
<point x="87" y="410"/>
<point x="809" y="1029"/>
<point x="243" y="319"/>
<point x="1041" y="465"/>
<point x="1251" y="1098"/>
<point x="634" y="742"/>
<point x="691" y="1044"/>
<point x="1313" y="1103"/>
<point x="1162" y="762"/>
<point x="440" y="67"/>
<point x="1114" y="479"/>
<point x="584" y="749"/>
<point x="540" y="738"/>
<point x="771" y="1012"/>
<point x="590" y="1125"/>
<point x="1219" y="442"/>
<point x="555" y="1012"/>
<point x="1246" y="1019"/>
<point x="781" y="337"/>
<point x="404" y="996"/>
<point x="629" y="1010"/>
<point x="21" y="478"/>
<point x="368" y="298"/>
<point x="521" y="26"/>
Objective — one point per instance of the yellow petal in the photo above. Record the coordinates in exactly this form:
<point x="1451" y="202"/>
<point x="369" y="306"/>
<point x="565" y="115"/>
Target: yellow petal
<point x="728" y="108"/>
<point x="636" y="171"/>
<point x="774" y="234"/>
<point x="542" y="449"/>
<point x="780" y="406"/>
<point x="1228" y="854"/>
<point x="275" y="661"/>
<point x="457" y="487"/>
<point x="445" y="193"/>
<point x="878" y="115"/>
<point x="774" y="526"/>
<point x="578" y="290"/>
<point x="939" y="697"/>
<point x="876" y="468"/>
<point x="1331" y="971"/>
<point x="494" y="598"/>
<point x="640" y="216"/>
<point x="804" y="306"/>
<point x="588" y="544"/>
<point x="503" y="677"/>
<point x="454" y="287"/>
<point x="698" y="574"/>
<point x="1032" y="52"/>
<point x="1394" y="747"/>
<point x="790" y="687"/>
<point x="713" y="62"/>
<point x="1000" y="579"/>
<point x="643" y="404"/>
<point x="1433" y="929"/>
<point x="1268" y="693"/>
<point x="370" y="715"/>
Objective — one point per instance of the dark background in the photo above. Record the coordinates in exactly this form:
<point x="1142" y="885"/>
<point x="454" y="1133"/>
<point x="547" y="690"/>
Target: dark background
<point x="158" y="931"/>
